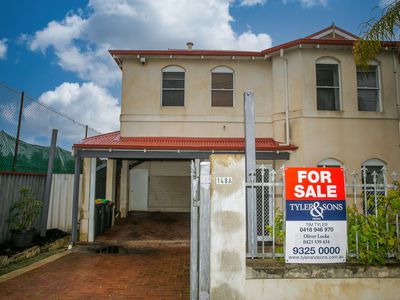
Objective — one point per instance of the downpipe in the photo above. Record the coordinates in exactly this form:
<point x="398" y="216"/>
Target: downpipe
<point x="287" y="132"/>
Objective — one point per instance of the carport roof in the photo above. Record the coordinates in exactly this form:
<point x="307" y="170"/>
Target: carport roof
<point x="114" y="140"/>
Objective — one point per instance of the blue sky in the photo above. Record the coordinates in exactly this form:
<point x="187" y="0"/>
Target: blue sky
<point x="56" y="51"/>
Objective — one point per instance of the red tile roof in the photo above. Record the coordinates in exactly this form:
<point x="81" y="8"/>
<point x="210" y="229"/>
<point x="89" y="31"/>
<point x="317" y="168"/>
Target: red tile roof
<point x="308" y="40"/>
<point x="113" y="140"/>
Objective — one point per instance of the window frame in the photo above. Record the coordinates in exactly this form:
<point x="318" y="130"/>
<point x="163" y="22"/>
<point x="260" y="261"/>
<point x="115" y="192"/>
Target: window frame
<point x="330" y="163"/>
<point x="222" y="70"/>
<point x="378" y="165"/>
<point x="329" y="61"/>
<point x="173" y="69"/>
<point x="379" y="89"/>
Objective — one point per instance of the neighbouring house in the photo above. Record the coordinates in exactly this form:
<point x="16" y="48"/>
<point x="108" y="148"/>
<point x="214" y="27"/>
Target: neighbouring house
<point x="313" y="107"/>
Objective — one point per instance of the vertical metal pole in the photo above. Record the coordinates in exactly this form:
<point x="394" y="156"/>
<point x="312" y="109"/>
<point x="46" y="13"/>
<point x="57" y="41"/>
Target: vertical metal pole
<point x="49" y="178"/>
<point x="385" y="188"/>
<point x="75" y="199"/>
<point x="272" y="176"/>
<point x="250" y="172"/>
<point x="354" y="174"/>
<point x="397" y="235"/>
<point x="364" y="183"/>
<point x="194" y="236"/>
<point x="263" y="208"/>
<point x="364" y="174"/>
<point x="21" y="108"/>
<point x="86" y="131"/>
<point x="204" y="231"/>
<point x="283" y="207"/>
<point x="375" y="175"/>
<point x="92" y="196"/>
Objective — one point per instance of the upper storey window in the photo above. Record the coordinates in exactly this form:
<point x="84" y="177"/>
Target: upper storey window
<point x="368" y="89"/>
<point x="328" y="84"/>
<point x="173" y="86"/>
<point x="222" y="87"/>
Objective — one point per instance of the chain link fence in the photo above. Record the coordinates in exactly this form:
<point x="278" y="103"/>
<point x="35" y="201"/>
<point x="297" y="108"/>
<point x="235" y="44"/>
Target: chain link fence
<point x="25" y="134"/>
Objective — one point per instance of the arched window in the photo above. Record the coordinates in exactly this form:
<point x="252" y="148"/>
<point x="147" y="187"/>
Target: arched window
<point x="373" y="165"/>
<point x="328" y="84"/>
<point x="173" y="86"/>
<point x="222" y="87"/>
<point x="368" y="92"/>
<point x="330" y="163"/>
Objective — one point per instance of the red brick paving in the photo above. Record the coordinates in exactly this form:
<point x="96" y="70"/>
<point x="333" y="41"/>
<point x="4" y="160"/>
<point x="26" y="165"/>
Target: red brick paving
<point x="144" y="226"/>
<point x="152" y="274"/>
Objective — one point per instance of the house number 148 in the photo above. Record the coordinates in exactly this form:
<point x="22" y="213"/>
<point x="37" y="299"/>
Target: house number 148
<point x="224" y="180"/>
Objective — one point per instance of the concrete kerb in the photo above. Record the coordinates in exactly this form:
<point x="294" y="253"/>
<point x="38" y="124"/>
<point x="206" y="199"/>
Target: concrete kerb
<point x="31" y="267"/>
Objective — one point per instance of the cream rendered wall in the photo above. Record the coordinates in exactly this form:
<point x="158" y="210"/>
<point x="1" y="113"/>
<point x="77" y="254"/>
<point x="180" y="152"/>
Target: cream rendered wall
<point x="142" y="114"/>
<point x="349" y="135"/>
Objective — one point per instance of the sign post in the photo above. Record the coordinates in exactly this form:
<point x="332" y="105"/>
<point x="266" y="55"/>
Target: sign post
<point x="316" y="229"/>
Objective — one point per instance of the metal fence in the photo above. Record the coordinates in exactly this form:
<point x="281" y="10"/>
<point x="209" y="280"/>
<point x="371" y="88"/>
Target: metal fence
<point x="364" y="191"/>
<point x="60" y="211"/>
<point x="9" y="187"/>
<point x="25" y="130"/>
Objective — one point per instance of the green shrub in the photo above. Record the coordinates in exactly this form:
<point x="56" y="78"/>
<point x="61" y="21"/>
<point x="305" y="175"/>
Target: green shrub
<point x="24" y="211"/>
<point x="377" y="237"/>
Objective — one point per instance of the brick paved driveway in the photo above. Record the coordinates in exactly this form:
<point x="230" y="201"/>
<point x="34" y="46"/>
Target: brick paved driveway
<point x="151" y="274"/>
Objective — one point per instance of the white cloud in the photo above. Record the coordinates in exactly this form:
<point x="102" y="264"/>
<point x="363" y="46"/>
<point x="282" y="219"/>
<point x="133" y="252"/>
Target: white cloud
<point x="87" y="103"/>
<point x="81" y="43"/>
<point x="384" y="3"/>
<point x="309" y="3"/>
<point x="3" y="48"/>
<point x="252" y="2"/>
<point x="312" y="3"/>
<point x="58" y="34"/>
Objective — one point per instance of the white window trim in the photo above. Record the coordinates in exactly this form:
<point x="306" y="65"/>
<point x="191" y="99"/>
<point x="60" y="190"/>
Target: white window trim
<point x="343" y="34"/>
<point x="379" y="81"/>
<point x="173" y="69"/>
<point x="329" y="61"/>
<point x="330" y="162"/>
<point x="227" y="70"/>
<point x="373" y="162"/>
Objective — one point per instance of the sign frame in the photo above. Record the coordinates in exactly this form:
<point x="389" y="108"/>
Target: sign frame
<point x="316" y="223"/>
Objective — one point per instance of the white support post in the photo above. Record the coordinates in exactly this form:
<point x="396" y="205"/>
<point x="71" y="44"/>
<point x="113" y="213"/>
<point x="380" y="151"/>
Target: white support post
<point x="92" y="195"/>
<point x="204" y="232"/>
<point x="110" y="182"/>
<point x="194" y="226"/>
<point x="84" y="208"/>
<point x="123" y="206"/>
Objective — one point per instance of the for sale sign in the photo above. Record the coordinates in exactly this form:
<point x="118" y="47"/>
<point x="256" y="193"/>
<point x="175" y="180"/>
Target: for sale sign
<point x="316" y="230"/>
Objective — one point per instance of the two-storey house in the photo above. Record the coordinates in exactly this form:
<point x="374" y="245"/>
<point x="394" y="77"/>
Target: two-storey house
<point x="313" y="107"/>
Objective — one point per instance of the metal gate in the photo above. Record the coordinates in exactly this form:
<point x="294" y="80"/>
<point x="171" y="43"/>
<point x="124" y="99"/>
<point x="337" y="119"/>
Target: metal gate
<point x="263" y="202"/>
<point x="200" y="231"/>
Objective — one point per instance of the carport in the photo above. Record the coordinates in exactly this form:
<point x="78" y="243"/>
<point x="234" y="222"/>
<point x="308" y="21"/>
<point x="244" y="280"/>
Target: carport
<point x="134" y="152"/>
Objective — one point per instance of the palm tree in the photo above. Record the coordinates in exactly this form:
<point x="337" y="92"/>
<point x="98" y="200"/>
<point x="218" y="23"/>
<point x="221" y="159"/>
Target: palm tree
<point x="384" y="29"/>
